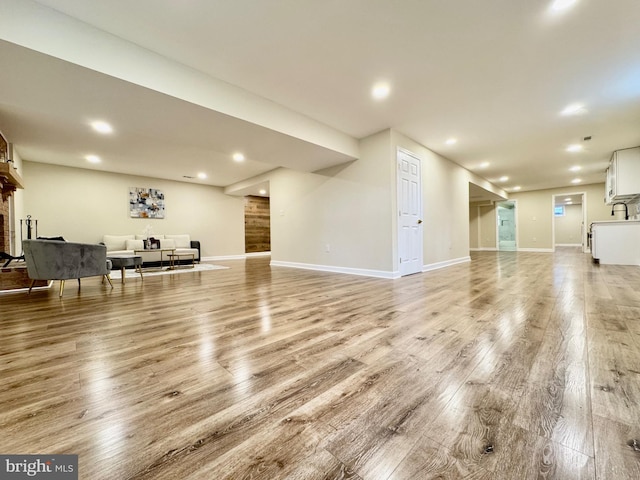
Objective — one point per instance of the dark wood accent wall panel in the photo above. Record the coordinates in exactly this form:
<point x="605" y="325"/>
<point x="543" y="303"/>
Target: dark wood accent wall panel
<point x="257" y="224"/>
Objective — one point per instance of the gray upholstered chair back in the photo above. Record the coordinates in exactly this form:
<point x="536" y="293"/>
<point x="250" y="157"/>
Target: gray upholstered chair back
<point x="55" y="260"/>
<point x="59" y="260"/>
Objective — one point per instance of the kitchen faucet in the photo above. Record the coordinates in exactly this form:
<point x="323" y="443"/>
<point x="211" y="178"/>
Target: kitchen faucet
<point x="626" y="210"/>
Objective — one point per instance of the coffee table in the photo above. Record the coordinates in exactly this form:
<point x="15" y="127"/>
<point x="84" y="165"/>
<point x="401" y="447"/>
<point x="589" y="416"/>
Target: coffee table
<point x="162" y="252"/>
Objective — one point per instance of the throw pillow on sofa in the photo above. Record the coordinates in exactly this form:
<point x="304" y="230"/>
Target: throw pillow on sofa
<point x="182" y="241"/>
<point x="116" y="242"/>
<point x="134" y="244"/>
<point x="167" y="243"/>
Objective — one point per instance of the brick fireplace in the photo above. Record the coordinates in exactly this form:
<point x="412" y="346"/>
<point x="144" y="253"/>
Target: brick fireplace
<point x="13" y="277"/>
<point x="4" y="226"/>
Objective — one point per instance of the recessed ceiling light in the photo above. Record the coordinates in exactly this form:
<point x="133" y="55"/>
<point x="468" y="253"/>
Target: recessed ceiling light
<point x="238" y="157"/>
<point x="517" y="187"/>
<point x="262" y="192"/>
<point x="567" y="199"/>
<point x="574" y="109"/>
<point x="202" y="175"/>
<point x="559" y="5"/>
<point x="451" y="141"/>
<point x="575" y="168"/>
<point x="380" y="91"/>
<point x="504" y="178"/>
<point x="101" y="127"/>
<point x="576" y="180"/>
<point x="569" y="203"/>
<point x="574" y="148"/>
<point x="484" y="164"/>
<point x="92" y="158"/>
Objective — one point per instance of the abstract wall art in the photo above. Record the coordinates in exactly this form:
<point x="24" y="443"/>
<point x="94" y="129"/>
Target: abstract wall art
<point x="146" y="203"/>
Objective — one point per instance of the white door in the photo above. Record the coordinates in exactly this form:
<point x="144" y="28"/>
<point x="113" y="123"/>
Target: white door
<point x="409" y="214"/>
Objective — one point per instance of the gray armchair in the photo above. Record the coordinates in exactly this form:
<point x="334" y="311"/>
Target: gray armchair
<point x="56" y="260"/>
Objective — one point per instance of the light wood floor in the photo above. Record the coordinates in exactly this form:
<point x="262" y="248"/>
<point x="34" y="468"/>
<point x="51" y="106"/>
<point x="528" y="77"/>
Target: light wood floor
<point x="513" y="366"/>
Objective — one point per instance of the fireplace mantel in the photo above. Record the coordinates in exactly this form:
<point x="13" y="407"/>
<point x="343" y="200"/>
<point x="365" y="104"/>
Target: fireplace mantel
<point x="9" y="180"/>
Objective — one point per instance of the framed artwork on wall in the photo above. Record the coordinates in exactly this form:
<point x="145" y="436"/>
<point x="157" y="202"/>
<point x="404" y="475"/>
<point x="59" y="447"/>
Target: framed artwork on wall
<point x="146" y="203"/>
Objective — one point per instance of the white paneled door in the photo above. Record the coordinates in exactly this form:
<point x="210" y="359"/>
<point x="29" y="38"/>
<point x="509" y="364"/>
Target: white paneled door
<point x="409" y="214"/>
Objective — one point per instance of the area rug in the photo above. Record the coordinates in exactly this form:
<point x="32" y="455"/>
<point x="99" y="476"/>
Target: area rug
<point x="199" y="267"/>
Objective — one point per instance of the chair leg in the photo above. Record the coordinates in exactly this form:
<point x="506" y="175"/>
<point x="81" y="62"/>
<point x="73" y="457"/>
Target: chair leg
<point x="33" y="282"/>
<point x="61" y="287"/>
<point x="108" y="277"/>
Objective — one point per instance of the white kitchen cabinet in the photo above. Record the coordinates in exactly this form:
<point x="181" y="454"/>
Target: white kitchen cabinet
<point x="623" y="176"/>
<point x="616" y="242"/>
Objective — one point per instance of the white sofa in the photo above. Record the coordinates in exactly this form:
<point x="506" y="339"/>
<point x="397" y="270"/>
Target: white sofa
<point x="128" y="244"/>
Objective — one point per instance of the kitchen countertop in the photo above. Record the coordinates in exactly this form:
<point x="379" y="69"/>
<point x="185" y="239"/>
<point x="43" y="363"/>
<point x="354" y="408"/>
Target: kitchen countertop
<point x="615" y="222"/>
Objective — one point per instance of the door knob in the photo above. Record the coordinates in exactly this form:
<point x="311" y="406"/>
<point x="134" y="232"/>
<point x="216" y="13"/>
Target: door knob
<point x="419" y="221"/>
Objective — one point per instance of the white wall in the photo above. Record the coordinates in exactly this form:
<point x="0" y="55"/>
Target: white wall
<point x="474" y="226"/>
<point x="488" y="220"/>
<point x="346" y="208"/>
<point x="568" y="228"/>
<point x="82" y="205"/>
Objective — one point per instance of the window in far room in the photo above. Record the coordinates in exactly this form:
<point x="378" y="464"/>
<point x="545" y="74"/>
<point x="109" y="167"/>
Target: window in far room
<point x="558" y="211"/>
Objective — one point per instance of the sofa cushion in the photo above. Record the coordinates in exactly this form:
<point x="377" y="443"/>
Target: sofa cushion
<point x="182" y="241"/>
<point x="116" y="242"/>
<point x="167" y="243"/>
<point x="134" y="244"/>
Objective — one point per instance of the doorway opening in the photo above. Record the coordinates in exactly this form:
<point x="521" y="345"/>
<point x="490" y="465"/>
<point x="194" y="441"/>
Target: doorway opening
<point x="507" y="233"/>
<point x="570" y="220"/>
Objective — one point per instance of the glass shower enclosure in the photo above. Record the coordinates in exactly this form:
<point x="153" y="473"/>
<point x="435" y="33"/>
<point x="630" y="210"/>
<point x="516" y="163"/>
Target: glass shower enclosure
<point x="507" y="226"/>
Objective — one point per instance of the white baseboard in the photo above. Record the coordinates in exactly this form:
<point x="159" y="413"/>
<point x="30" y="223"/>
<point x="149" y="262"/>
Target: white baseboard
<point x="26" y="289"/>
<point x="330" y="268"/>
<point x="444" y="264"/>
<point x="568" y="244"/>
<point x="236" y="257"/>
<point x="484" y="249"/>
<point x="223" y="257"/>
<point x="538" y="250"/>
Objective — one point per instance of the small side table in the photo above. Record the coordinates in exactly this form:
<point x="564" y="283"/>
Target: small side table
<point x="178" y="256"/>
<point x="124" y="261"/>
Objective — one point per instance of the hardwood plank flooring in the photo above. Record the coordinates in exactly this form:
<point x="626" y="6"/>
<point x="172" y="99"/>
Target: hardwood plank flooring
<point x="512" y="366"/>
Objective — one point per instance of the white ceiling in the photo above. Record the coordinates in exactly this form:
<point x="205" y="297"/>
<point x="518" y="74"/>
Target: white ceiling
<point x="494" y="74"/>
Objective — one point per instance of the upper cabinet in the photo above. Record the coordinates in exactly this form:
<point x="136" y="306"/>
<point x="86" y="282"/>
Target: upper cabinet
<point x="623" y="176"/>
